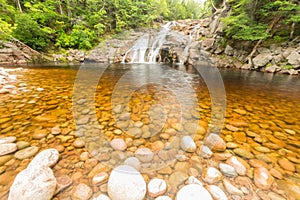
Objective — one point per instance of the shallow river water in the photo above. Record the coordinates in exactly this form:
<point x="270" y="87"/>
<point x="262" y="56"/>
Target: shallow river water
<point x="80" y="110"/>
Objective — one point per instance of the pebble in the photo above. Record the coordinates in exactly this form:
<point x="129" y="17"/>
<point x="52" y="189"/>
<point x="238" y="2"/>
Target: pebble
<point x="262" y="178"/>
<point x="222" y="156"/>
<point x="5" y="159"/>
<point x="286" y="165"/>
<point x="82" y="192"/>
<point x="156" y="187"/>
<point x="144" y="154"/>
<point x="215" y="142"/>
<point x="63" y="182"/>
<point x="39" y="134"/>
<point x="118" y="144"/>
<point x="231" y="188"/>
<point x="227" y="170"/>
<point x="274" y="196"/>
<point x="83" y="120"/>
<point x="211" y="175"/>
<point x="232" y="128"/>
<point x="193" y="192"/>
<point x="239" y="137"/>
<point x="262" y="149"/>
<point x="291" y="189"/>
<point x="84" y="156"/>
<point x="238" y="166"/>
<point x="9" y="139"/>
<point x="125" y="183"/>
<point x="100" y="178"/>
<point x="177" y="178"/>
<point x="240" y="111"/>
<point x="163" y="198"/>
<point x="157" y="146"/>
<point x="55" y="130"/>
<point x="205" y="152"/>
<point x="4" y="91"/>
<point x="46" y="158"/>
<point x="187" y="144"/>
<point x="22" y="144"/>
<point x="102" y="197"/>
<point x="78" y="143"/>
<point x="216" y="192"/>
<point x="135" y="132"/>
<point x="194" y="180"/>
<point x="7" y="148"/>
<point x="275" y="173"/>
<point x="257" y="163"/>
<point x="133" y="162"/>
<point x="26" y="153"/>
<point x="232" y="145"/>
<point x="117" y="132"/>
<point x="243" y="153"/>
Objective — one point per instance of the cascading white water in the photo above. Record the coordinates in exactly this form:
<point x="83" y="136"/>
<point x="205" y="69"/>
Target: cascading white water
<point x="146" y="50"/>
<point x="158" y="41"/>
<point x="187" y="47"/>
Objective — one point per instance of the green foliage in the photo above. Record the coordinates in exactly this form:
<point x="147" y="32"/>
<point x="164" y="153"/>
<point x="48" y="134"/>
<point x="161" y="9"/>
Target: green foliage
<point x="5" y="30"/>
<point x="47" y="24"/>
<point x="240" y="27"/>
<point x="250" y="19"/>
<point x="183" y="10"/>
<point x="79" y="38"/>
<point x="31" y="33"/>
<point x="288" y="66"/>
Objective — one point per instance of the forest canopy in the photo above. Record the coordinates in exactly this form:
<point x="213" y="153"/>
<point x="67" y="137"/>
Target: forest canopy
<point x="82" y="23"/>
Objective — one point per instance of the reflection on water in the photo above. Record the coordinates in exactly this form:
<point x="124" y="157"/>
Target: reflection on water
<point x="150" y="107"/>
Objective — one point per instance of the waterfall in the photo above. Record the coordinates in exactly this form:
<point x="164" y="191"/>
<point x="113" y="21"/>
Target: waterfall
<point x="185" y="51"/>
<point x="146" y="48"/>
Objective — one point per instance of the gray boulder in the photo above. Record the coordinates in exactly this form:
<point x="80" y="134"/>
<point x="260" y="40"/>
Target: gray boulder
<point x="294" y="59"/>
<point x="262" y="59"/>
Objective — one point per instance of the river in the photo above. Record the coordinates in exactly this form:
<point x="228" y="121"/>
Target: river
<point x="79" y="109"/>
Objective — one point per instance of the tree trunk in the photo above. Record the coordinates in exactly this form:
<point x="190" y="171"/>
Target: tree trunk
<point x="292" y="31"/>
<point x="19" y="6"/>
<point x="60" y="8"/>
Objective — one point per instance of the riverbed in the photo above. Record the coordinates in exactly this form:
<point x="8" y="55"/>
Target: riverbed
<point x="79" y="110"/>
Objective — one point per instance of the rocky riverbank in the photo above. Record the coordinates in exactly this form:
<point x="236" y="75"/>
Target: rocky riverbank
<point x="15" y="52"/>
<point x="187" y="42"/>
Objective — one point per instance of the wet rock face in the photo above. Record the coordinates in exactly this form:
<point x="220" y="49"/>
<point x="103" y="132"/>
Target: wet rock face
<point x="16" y="52"/>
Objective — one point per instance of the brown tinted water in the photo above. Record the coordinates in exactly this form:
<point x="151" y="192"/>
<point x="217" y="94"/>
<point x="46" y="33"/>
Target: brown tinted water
<point x="152" y="106"/>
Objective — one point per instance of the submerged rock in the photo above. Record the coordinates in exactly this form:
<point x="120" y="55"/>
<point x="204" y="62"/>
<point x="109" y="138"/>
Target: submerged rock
<point x="26" y="153"/>
<point x="82" y="192"/>
<point x="7" y="148"/>
<point x="187" y="144"/>
<point x="125" y="183"/>
<point x="37" y="181"/>
<point x="193" y="192"/>
<point x="156" y="187"/>
<point x="262" y="178"/>
<point x="216" y="192"/>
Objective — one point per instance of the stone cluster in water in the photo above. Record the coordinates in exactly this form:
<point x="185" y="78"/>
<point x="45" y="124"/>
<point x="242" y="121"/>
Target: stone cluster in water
<point x="253" y="158"/>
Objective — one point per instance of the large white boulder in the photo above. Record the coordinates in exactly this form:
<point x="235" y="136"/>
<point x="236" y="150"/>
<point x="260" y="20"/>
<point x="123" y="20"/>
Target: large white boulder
<point x="125" y="182"/>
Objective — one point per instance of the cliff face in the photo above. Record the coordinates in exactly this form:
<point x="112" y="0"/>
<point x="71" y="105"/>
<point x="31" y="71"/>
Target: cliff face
<point x="15" y="52"/>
